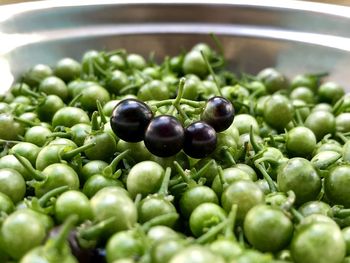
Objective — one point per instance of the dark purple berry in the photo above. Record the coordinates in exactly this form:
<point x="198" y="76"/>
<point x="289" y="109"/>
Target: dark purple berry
<point x="164" y="136"/>
<point x="130" y="119"/>
<point x="218" y="113"/>
<point x="200" y="140"/>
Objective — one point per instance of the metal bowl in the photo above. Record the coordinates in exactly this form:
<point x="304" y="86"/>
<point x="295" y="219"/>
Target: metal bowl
<point x="294" y="36"/>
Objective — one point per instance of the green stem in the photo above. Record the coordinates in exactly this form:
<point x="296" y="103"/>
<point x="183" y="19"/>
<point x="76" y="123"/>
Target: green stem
<point x="170" y="110"/>
<point x="75" y="99"/>
<point x="219" y="62"/>
<point x="166" y="65"/>
<point x="178" y="188"/>
<point x="341" y="213"/>
<point x="257" y="92"/>
<point x="94" y="232"/>
<point x="223" y="182"/>
<point x="142" y="76"/>
<point x="29" y="92"/>
<point x="26" y="122"/>
<point x="318" y="75"/>
<point x="175" y="181"/>
<point x="325" y="163"/>
<point x="299" y="119"/>
<point x="241" y="237"/>
<point x="61" y="135"/>
<point x="115" y="52"/>
<point x="192" y="103"/>
<point x="160" y="220"/>
<point x="163" y="190"/>
<point x="182" y="173"/>
<point x="70" y="154"/>
<point x="228" y="156"/>
<point x="99" y="69"/>
<point x="137" y="200"/>
<point x="61" y="238"/>
<point x="129" y="87"/>
<point x="338" y="106"/>
<point x="91" y="68"/>
<point x="231" y="223"/>
<point x="272" y="141"/>
<point x="259" y="155"/>
<point x="309" y="106"/>
<point x="100" y="111"/>
<point x="55" y="192"/>
<point x="212" y="232"/>
<point x="218" y="44"/>
<point x="9" y="141"/>
<point x="180" y="92"/>
<point x="242" y="152"/>
<point x="4" y="151"/>
<point x="113" y="165"/>
<point x="341" y="136"/>
<point x="299" y="217"/>
<point x="117" y="174"/>
<point x="127" y="165"/>
<point x="204" y="169"/>
<point x="94" y="121"/>
<point x="178" y="98"/>
<point x="181" y="112"/>
<point x="321" y="193"/>
<point x="202" y="181"/>
<point x="124" y="56"/>
<point x="38" y="176"/>
<point x="270" y="160"/>
<point x="196" y="111"/>
<point x="266" y="176"/>
<point x="288" y="204"/>
<point x="212" y="73"/>
<point x="242" y="104"/>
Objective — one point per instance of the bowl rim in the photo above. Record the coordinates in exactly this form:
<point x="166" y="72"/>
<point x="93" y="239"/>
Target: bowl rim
<point x="9" y="10"/>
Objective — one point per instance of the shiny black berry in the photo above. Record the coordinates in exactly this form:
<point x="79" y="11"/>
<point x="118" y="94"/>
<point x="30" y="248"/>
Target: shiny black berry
<point x="130" y="119"/>
<point x="200" y="140"/>
<point x="218" y="113"/>
<point x="164" y="136"/>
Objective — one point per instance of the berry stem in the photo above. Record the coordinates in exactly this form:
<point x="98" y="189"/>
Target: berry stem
<point x="100" y="112"/>
<point x="38" y="176"/>
<point x="212" y="232"/>
<point x="212" y="73"/>
<point x="160" y="220"/>
<point x="110" y="169"/>
<point x="163" y="190"/>
<point x="229" y="231"/>
<point x="266" y="176"/>
<point x="55" y="192"/>
<point x="75" y="99"/>
<point x="192" y="103"/>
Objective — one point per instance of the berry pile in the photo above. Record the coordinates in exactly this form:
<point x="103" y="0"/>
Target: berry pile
<point x="120" y="159"/>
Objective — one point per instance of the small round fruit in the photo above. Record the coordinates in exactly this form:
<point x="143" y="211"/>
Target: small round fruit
<point x="218" y="113"/>
<point x="130" y="119"/>
<point x="200" y="140"/>
<point x="164" y="136"/>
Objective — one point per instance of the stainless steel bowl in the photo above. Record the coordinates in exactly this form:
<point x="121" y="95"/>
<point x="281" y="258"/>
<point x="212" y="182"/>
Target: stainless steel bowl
<point x="294" y="36"/>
